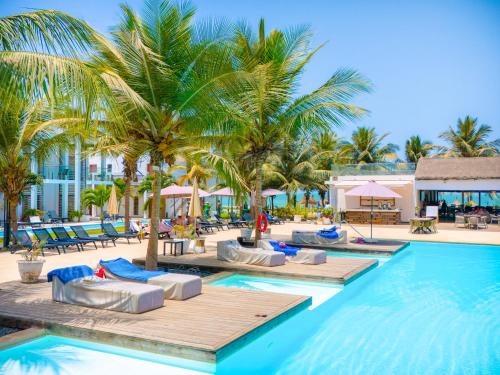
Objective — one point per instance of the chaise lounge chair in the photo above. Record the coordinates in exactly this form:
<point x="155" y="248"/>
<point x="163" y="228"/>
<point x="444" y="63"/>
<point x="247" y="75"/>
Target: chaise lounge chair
<point x="82" y="234"/>
<point x="321" y="237"/>
<point x="295" y="254"/>
<point x="44" y="236"/>
<point x="79" y="286"/>
<point x="63" y="235"/>
<point x="175" y="285"/>
<point x="23" y="239"/>
<point x="110" y="231"/>
<point x="232" y="251"/>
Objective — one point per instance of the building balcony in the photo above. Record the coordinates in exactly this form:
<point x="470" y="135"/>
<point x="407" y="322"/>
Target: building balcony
<point x="57" y="172"/>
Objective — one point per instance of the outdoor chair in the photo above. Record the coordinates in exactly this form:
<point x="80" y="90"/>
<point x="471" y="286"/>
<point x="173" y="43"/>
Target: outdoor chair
<point x="35" y="221"/>
<point x="460" y="220"/>
<point x="229" y="224"/>
<point x="44" y="236"/>
<point x="234" y="219"/>
<point x="62" y="234"/>
<point x="483" y="222"/>
<point x="82" y="234"/>
<point x="23" y="239"/>
<point x="206" y="225"/>
<point x="473" y="222"/>
<point x="110" y="231"/>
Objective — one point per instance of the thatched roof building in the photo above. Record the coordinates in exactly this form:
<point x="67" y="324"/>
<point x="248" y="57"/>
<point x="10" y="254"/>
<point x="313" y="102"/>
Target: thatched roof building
<point x="458" y="168"/>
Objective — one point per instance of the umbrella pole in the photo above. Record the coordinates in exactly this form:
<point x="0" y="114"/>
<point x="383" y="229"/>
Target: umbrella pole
<point x="371" y="219"/>
<point x="272" y="204"/>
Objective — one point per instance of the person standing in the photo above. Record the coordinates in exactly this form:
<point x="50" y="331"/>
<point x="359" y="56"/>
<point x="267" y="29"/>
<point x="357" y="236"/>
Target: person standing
<point x="218" y="207"/>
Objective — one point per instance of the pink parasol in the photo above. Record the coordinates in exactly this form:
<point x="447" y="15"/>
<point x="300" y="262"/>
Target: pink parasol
<point x="224" y="192"/>
<point x="372" y="189"/>
<point x="176" y="191"/>
<point x="272" y="192"/>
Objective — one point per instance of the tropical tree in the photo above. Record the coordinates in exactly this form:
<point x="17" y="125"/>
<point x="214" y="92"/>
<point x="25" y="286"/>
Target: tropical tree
<point x="98" y="197"/>
<point x="469" y="140"/>
<point x="147" y="184"/>
<point x="415" y="149"/>
<point x="39" y="70"/>
<point x="164" y="73"/>
<point x="366" y="146"/>
<point x="267" y="110"/>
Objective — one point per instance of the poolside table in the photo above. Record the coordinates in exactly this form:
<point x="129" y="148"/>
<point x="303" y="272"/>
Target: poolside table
<point x="173" y="246"/>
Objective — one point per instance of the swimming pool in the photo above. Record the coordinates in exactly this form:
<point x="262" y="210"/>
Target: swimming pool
<point x="320" y="292"/>
<point x="54" y="355"/>
<point x="433" y="309"/>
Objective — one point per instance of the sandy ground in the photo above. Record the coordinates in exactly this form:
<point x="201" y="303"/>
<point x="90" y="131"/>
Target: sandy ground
<point x="446" y="233"/>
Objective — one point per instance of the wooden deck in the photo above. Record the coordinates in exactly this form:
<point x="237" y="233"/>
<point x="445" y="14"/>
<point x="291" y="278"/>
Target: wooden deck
<point x="203" y="328"/>
<point x="337" y="270"/>
<point x="382" y="247"/>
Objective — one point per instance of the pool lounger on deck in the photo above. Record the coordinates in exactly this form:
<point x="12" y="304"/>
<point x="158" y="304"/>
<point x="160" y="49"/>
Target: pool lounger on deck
<point x="82" y="234"/>
<point x="78" y="286"/>
<point x="314" y="238"/>
<point x="110" y="231"/>
<point x="232" y="251"/>
<point x="175" y="285"/>
<point x="296" y="254"/>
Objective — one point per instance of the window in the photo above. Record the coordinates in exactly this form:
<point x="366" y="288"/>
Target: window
<point x="109" y="168"/>
<point x="136" y="206"/>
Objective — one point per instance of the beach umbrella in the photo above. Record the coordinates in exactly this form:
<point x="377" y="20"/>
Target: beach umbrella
<point x="373" y="190"/>
<point x="272" y="193"/>
<point x="113" y="202"/>
<point x="175" y="191"/>
<point x="194" y="205"/>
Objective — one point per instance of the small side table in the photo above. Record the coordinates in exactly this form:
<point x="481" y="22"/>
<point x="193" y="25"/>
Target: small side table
<point x="173" y="246"/>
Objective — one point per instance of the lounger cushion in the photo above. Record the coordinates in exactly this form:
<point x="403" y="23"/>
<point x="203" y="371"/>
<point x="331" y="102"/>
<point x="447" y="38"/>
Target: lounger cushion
<point x="126" y="270"/>
<point x="108" y="294"/>
<point x="232" y="251"/>
<point x="309" y="256"/>
<point x="67" y="274"/>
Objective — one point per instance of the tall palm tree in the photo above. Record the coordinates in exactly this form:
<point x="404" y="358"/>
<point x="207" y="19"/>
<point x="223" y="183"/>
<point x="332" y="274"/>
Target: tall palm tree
<point x="267" y="110"/>
<point x="163" y="72"/>
<point x="366" y="146"/>
<point x="469" y="140"/>
<point x="415" y="149"/>
<point x="40" y="68"/>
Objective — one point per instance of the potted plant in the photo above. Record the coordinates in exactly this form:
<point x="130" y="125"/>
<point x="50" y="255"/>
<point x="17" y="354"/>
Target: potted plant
<point x="75" y="215"/>
<point x="30" y="267"/>
<point x="187" y="234"/>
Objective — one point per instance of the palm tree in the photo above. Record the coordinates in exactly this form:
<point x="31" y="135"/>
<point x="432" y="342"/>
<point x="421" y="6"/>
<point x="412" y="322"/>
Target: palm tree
<point x="469" y="140"/>
<point x="366" y="147"/>
<point x="162" y="70"/>
<point x="98" y="197"/>
<point x="39" y="70"/>
<point x="415" y="149"/>
<point x="267" y="111"/>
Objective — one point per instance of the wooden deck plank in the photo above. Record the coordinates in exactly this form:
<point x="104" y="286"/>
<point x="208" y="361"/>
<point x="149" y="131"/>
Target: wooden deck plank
<point x="336" y="269"/>
<point x="196" y="328"/>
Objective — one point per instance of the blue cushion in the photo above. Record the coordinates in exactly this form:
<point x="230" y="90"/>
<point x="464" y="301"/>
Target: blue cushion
<point x="328" y="234"/>
<point x="126" y="270"/>
<point x="288" y="250"/>
<point x="70" y="273"/>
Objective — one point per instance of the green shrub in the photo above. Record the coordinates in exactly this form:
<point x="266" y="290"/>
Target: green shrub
<point x="74" y="214"/>
<point x="31" y="212"/>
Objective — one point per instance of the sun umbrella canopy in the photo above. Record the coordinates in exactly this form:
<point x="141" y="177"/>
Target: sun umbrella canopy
<point x="224" y="192"/>
<point x="176" y="191"/>
<point x="194" y="205"/>
<point x="272" y="192"/>
<point x="113" y="202"/>
<point x="372" y="189"/>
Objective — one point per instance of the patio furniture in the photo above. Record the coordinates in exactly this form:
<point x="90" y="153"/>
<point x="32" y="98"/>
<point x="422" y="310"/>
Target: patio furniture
<point x="62" y="234"/>
<point x="423" y="225"/>
<point x="35" y="221"/>
<point x="473" y="222"/>
<point x="300" y="237"/>
<point x="78" y="286"/>
<point x="296" y="254"/>
<point x="110" y="231"/>
<point x="230" y="223"/>
<point x="44" y="236"/>
<point x="23" y="239"/>
<point x="232" y="251"/>
<point x="173" y="246"/>
<point x="483" y="222"/>
<point x="175" y="285"/>
<point x="460" y="220"/>
<point x="82" y="234"/>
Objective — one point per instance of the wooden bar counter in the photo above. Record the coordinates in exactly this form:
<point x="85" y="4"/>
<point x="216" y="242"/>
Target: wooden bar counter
<point x="362" y="216"/>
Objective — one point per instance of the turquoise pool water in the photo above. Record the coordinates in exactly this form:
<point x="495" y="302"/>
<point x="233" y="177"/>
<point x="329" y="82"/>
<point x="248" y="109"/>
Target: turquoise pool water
<point x="53" y="355"/>
<point x="320" y="292"/>
<point x="433" y="309"/>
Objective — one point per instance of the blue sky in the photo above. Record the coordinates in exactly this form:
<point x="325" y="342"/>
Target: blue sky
<point x="430" y="61"/>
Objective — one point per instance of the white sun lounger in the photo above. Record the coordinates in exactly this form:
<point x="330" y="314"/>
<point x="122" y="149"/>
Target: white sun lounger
<point x="313" y="238"/>
<point x="232" y="251"/>
<point x="92" y="291"/>
<point x="175" y="285"/>
<point x="304" y="256"/>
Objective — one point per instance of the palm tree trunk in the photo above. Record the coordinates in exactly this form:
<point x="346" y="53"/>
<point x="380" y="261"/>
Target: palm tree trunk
<point x="13" y="212"/>
<point x="258" y="198"/>
<point x="126" y="196"/>
<point x="152" y="251"/>
<point x="322" y="195"/>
